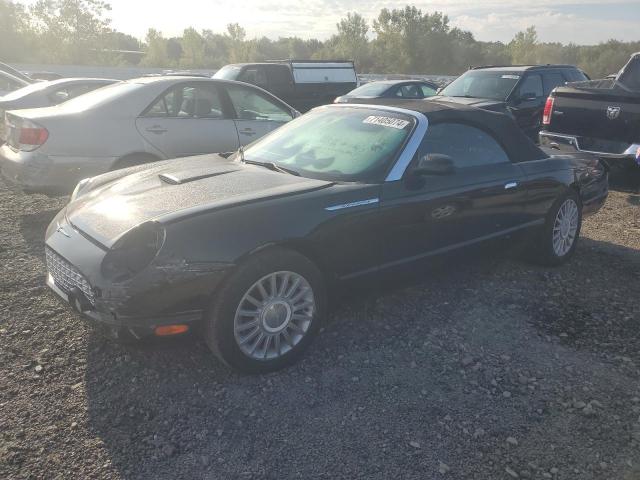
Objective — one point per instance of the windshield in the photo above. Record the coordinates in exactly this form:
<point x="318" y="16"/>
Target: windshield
<point x="100" y="96"/>
<point x="482" y="84"/>
<point x="369" y="90"/>
<point x="230" y="72"/>
<point x="336" y="144"/>
<point x="630" y="75"/>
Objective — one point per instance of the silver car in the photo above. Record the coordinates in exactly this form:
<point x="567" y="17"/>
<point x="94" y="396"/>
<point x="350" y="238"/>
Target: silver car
<point x="51" y="149"/>
<point x="49" y="93"/>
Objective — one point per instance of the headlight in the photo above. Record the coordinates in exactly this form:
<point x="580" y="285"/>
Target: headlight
<point x="80" y="189"/>
<point x="133" y="252"/>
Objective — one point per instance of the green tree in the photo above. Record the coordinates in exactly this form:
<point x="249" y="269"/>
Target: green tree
<point x="193" y="49"/>
<point x="156" y="50"/>
<point x="351" y="42"/>
<point x="524" y="47"/>
<point x="238" y="51"/>
<point x="15" y="32"/>
<point x="71" y="30"/>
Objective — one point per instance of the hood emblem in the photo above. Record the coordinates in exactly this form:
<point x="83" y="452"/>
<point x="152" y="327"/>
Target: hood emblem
<point x="61" y="230"/>
<point x="613" y="112"/>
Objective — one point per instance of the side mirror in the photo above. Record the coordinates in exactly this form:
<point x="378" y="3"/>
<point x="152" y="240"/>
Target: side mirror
<point x="434" y="164"/>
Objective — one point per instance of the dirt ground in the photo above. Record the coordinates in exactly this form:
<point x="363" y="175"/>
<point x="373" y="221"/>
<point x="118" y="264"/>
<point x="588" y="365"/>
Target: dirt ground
<point x="486" y="368"/>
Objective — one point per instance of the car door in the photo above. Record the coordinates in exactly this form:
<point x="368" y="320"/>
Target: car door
<point x="255" y="113"/>
<point x="189" y="119"/>
<point x="527" y="102"/>
<point x="481" y="199"/>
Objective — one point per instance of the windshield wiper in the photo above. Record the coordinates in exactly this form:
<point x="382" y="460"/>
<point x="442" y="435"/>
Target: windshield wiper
<point x="269" y="165"/>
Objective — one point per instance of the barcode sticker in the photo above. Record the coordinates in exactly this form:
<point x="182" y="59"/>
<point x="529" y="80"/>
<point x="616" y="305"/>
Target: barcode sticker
<point x="386" y="121"/>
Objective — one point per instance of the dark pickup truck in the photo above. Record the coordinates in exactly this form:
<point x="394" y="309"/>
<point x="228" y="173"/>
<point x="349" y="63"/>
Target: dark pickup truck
<point x="517" y="90"/>
<point x="303" y="84"/>
<point x="598" y="116"/>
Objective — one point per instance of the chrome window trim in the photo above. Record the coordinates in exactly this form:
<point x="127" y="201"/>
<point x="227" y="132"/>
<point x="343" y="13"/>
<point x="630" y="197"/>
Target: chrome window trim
<point x="411" y="146"/>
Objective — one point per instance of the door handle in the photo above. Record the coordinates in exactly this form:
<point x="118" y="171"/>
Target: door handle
<point x="248" y="131"/>
<point x="157" y="129"/>
<point x="510" y="185"/>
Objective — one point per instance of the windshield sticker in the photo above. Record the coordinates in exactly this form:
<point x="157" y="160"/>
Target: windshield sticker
<point x="386" y="121"/>
<point x="511" y="77"/>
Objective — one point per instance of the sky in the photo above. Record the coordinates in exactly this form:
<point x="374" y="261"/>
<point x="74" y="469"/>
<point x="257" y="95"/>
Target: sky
<point x="578" y="21"/>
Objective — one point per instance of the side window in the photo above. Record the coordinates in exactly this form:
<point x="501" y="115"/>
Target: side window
<point x="551" y="81"/>
<point x="254" y="75"/>
<point x="466" y="145"/>
<point x="427" y="91"/>
<point x="532" y="84"/>
<point x="279" y="76"/>
<point x="188" y="101"/>
<point x="631" y="74"/>
<point x="60" y="95"/>
<point x="409" y="91"/>
<point x="575" y="75"/>
<point x="252" y="105"/>
<point x="77" y="90"/>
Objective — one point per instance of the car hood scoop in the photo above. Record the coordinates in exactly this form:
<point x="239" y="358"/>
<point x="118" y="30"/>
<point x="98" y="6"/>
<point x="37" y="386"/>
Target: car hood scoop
<point x="179" y="178"/>
<point x="169" y="189"/>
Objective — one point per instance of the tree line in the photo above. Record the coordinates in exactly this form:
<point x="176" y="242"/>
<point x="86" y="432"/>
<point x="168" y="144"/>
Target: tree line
<point x="403" y="40"/>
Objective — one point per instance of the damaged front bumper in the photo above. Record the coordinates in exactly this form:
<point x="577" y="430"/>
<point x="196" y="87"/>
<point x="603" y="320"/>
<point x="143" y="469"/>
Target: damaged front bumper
<point x="167" y="292"/>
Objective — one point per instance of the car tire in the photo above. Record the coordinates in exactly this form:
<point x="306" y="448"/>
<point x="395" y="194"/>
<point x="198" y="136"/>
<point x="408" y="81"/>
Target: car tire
<point x="556" y="241"/>
<point x="267" y="312"/>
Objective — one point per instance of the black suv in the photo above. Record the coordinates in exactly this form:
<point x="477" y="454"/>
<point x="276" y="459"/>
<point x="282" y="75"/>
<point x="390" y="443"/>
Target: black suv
<point x="520" y="90"/>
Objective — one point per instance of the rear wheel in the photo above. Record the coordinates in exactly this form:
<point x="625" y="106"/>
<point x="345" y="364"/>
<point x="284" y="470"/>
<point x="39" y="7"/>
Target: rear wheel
<point x="267" y="312"/>
<point x="558" y="239"/>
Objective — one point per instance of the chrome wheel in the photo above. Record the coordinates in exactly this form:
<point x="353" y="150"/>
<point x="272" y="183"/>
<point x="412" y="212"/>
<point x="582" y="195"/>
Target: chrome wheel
<point x="565" y="227"/>
<point x="274" y="315"/>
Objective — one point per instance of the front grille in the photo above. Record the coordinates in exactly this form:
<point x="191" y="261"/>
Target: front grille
<point x="66" y="276"/>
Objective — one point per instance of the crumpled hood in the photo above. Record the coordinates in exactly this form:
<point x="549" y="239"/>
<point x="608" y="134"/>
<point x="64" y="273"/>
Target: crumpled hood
<point x="182" y="185"/>
<point x="484" y="103"/>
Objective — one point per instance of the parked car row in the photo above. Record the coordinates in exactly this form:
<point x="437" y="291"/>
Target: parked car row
<point x="245" y="238"/>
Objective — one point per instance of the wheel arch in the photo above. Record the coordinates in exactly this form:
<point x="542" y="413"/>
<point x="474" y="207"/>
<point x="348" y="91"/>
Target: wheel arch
<point x="299" y="246"/>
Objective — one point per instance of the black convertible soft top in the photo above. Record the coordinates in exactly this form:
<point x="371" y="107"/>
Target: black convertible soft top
<point x="501" y="126"/>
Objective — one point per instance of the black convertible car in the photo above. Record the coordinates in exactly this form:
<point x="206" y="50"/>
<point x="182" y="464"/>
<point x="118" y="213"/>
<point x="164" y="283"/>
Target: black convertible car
<point x="246" y="246"/>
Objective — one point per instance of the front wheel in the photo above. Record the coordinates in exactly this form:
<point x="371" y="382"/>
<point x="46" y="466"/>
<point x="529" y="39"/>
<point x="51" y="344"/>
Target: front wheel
<point x="267" y="313"/>
<point x="558" y="239"/>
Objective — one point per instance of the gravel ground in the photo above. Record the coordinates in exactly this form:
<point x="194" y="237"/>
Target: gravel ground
<point x="489" y="368"/>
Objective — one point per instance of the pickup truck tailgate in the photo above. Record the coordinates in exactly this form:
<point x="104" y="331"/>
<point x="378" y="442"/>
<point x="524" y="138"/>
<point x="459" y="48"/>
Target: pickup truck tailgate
<point x="605" y="113"/>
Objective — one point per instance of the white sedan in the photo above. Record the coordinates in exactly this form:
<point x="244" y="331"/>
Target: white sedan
<point x="130" y="123"/>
